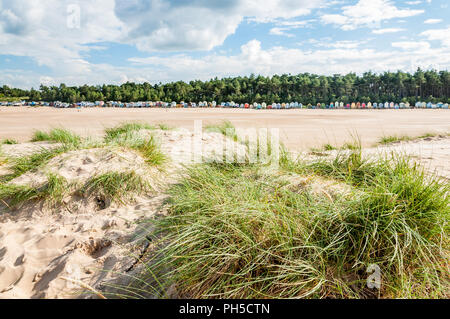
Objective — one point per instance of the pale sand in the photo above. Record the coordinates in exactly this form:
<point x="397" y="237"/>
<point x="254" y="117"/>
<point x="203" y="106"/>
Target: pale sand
<point x="41" y="246"/>
<point x="299" y="129"/>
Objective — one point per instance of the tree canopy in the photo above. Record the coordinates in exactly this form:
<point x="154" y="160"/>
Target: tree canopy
<point x="306" y="88"/>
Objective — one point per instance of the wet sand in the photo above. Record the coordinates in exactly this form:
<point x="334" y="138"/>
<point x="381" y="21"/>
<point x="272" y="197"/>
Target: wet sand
<point x="299" y="129"/>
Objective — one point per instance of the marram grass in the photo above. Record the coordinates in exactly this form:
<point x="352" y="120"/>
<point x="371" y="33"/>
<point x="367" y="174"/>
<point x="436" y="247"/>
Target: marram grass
<point x="235" y="232"/>
<point x="118" y="187"/>
<point x="125" y="128"/>
<point x="226" y="128"/>
<point x="128" y="137"/>
<point x="23" y="164"/>
<point x="57" y="135"/>
<point x="69" y="141"/>
<point x="9" y="141"/>
<point x="53" y="191"/>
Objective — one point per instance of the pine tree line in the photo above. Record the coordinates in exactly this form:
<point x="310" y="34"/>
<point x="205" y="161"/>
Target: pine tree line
<point x="430" y="86"/>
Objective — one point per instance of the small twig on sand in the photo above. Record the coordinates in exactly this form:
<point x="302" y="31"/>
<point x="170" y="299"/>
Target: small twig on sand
<point x="6" y="204"/>
<point x="85" y="286"/>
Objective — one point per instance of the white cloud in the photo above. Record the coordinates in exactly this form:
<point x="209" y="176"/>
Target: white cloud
<point x="280" y="31"/>
<point x="442" y="35"/>
<point x="367" y="13"/>
<point x="41" y="30"/>
<point x="412" y="45"/>
<point x="345" y="44"/>
<point x="161" y="25"/>
<point x="341" y="57"/>
<point x="282" y="27"/>
<point x="387" y="30"/>
<point x="413" y="3"/>
<point x="432" y="21"/>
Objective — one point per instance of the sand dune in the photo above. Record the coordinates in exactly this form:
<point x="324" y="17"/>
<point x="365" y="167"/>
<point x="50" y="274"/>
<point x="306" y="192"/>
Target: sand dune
<point x="46" y="251"/>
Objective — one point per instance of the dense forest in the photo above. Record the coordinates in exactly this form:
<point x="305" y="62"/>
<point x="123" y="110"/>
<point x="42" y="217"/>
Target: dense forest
<point x="306" y="88"/>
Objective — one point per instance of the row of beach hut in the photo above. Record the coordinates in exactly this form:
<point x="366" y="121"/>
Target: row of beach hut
<point x="213" y="104"/>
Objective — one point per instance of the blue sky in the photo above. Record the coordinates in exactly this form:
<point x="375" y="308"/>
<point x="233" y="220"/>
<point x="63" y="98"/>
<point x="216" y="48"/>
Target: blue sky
<point x="113" y="41"/>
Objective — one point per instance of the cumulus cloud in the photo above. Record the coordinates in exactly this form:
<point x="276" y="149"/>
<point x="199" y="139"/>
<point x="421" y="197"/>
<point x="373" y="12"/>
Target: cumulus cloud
<point x="432" y="21"/>
<point x="162" y="25"/>
<point x="44" y="33"/>
<point x="341" y="57"/>
<point x="49" y="33"/>
<point x="282" y="27"/>
<point x="442" y="35"/>
<point x="367" y="13"/>
<point x="41" y="30"/>
<point x="387" y="30"/>
<point x="410" y="45"/>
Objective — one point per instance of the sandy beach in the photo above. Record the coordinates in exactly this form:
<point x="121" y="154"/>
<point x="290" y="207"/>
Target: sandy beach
<point x="46" y="252"/>
<point x="299" y="129"/>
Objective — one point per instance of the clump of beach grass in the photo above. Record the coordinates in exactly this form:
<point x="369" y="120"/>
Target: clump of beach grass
<point x="164" y="127"/>
<point x="128" y="137"/>
<point x="118" y="187"/>
<point x="23" y="164"/>
<point x="429" y="135"/>
<point x="226" y="128"/>
<point x="57" y="135"/>
<point x="390" y="139"/>
<point x="394" y="139"/>
<point x="233" y="231"/>
<point x="125" y="128"/>
<point x="328" y="147"/>
<point x="12" y="195"/>
<point x="350" y="146"/>
<point x="324" y="148"/>
<point x="9" y="141"/>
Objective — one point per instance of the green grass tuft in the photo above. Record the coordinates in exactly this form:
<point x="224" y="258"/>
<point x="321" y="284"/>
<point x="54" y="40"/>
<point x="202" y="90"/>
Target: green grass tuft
<point x="57" y="135"/>
<point x="226" y="128"/>
<point x="21" y="165"/>
<point x="352" y="146"/>
<point x="55" y="188"/>
<point x="236" y="232"/>
<point x="12" y="195"/>
<point x="147" y="147"/>
<point x="9" y="142"/>
<point x="125" y="128"/>
<point x="117" y="186"/>
<point x="40" y="136"/>
<point x="164" y="127"/>
<point x="394" y="139"/>
<point x="328" y="147"/>
<point x="428" y="135"/>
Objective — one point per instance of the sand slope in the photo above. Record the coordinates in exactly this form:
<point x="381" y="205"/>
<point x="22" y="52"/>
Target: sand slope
<point x="45" y="251"/>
